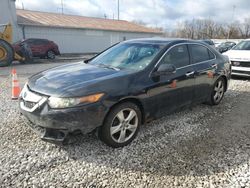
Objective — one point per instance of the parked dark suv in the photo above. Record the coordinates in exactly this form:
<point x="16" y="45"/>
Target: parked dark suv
<point x="123" y="87"/>
<point x="208" y="41"/>
<point x="41" y="48"/>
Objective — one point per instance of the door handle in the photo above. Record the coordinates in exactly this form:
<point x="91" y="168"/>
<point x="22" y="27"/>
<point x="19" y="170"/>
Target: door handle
<point x="189" y="73"/>
<point x="214" y="66"/>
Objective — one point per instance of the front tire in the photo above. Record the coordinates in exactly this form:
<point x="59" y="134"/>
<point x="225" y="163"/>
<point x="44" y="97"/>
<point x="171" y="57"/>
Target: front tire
<point x="217" y="92"/>
<point x="6" y="54"/>
<point x="121" y="125"/>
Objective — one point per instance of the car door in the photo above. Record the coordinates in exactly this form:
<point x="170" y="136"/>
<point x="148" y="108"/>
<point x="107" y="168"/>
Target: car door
<point x="171" y="91"/>
<point x="44" y="47"/>
<point x="37" y="47"/>
<point x="205" y="66"/>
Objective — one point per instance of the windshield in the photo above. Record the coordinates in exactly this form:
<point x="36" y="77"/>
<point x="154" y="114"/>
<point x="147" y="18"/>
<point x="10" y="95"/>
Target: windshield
<point x="134" y="56"/>
<point x="226" y="44"/>
<point x="243" y="45"/>
<point x="222" y="45"/>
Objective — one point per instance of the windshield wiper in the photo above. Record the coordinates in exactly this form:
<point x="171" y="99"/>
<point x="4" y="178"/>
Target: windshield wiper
<point x="109" y="67"/>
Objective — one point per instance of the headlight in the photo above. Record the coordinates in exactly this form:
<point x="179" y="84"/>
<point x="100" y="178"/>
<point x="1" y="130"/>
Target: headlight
<point x="56" y="102"/>
<point x="25" y="88"/>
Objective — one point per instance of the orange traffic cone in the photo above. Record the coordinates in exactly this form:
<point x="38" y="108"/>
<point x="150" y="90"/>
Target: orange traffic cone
<point x="15" y="85"/>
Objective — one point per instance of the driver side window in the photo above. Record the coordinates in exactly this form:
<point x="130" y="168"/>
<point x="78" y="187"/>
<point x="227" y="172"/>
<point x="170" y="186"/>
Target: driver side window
<point x="178" y="56"/>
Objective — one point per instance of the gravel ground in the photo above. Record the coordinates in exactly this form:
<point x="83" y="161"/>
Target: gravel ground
<point x="201" y="146"/>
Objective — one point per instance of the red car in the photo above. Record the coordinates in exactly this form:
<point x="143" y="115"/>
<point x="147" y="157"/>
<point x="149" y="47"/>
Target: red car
<point x="41" y="48"/>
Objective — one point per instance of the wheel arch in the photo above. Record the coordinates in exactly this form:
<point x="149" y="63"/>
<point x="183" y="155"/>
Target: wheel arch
<point x="132" y="100"/>
<point x="225" y="80"/>
<point x="50" y="50"/>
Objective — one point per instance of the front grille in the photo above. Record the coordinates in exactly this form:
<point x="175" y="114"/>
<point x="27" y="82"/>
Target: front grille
<point x="241" y="63"/>
<point x="29" y="104"/>
<point x="241" y="72"/>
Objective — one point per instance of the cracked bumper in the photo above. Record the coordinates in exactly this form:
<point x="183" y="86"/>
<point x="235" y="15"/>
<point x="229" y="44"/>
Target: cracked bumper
<point x="55" y="124"/>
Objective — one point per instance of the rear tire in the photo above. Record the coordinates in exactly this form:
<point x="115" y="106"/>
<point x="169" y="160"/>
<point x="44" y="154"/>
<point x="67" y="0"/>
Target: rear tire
<point x="51" y="54"/>
<point x="217" y="92"/>
<point x="26" y="53"/>
<point x="27" y="59"/>
<point x="6" y="54"/>
<point x="121" y="125"/>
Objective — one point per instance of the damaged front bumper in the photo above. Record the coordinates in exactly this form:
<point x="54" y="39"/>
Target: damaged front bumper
<point x="54" y="125"/>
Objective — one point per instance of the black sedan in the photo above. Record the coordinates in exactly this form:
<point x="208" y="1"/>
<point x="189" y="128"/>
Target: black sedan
<point x="225" y="46"/>
<point x="123" y="87"/>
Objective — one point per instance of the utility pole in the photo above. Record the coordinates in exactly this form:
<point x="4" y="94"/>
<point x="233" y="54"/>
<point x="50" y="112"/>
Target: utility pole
<point x="118" y="10"/>
<point x="228" y="36"/>
<point x="62" y="5"/>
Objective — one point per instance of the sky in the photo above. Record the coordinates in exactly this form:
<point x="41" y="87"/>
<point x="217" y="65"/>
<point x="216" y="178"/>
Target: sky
<point x="154" y="13"/>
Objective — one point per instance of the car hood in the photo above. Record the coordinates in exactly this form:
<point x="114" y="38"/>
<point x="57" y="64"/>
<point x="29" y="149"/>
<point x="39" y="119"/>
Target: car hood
<point x="67" y="80"/>
<point x="239" y="55"/>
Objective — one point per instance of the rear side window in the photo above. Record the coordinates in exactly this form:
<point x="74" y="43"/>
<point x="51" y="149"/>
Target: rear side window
<point x="40" y="42"/>
<point x="177" y="56"/>
<point x="200" y="53"/>
<point x="29" y="41"/>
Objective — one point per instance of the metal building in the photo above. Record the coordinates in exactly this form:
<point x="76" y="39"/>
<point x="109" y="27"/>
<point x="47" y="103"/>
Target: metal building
<point x="73" y="34"/>
<point x="78" y="34"/>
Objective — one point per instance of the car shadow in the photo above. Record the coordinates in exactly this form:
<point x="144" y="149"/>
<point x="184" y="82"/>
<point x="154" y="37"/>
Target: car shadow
<point x="198" y="141"/>
<point x="234" y="77"/>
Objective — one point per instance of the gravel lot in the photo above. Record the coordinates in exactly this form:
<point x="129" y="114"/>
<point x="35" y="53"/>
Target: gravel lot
<point x="198" y="147"/>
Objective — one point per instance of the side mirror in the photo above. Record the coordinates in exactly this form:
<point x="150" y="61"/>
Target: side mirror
<point x="165" y="69"/>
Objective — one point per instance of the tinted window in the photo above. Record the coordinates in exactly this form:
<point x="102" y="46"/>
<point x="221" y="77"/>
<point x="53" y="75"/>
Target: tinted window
<point x="30" y="41"/>
<point x="38" y="41"/>
<point x="211" y="55"/>
<point x="177" y="56"/>
<point x="200" y="53"/>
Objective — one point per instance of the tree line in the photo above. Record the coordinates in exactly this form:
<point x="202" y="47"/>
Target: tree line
<point x="210" y="29"/>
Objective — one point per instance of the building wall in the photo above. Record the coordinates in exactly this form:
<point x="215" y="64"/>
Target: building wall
<point x="8" y="15"/>
<point x="80" y="40"/>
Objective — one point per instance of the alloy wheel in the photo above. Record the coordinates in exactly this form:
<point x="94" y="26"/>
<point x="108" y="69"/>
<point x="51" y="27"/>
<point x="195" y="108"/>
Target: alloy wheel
<point x="51" y="55"/>
<point x="218" y="91"/>
<point x="124" y="125"/>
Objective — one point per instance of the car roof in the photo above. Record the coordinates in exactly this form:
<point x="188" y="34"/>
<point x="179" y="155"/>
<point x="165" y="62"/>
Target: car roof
<point x="164" y="41"/>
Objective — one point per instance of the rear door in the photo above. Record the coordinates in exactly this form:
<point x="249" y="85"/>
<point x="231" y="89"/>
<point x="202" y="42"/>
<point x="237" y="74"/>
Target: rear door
<point x="172" y="91"/>
<point x="205" y="66"/>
